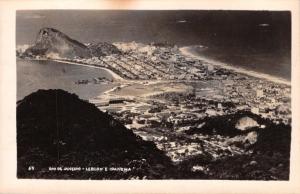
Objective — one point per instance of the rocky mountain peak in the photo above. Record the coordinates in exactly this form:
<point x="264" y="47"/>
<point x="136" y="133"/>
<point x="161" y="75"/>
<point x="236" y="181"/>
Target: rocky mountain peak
<point x="52" y="42"/>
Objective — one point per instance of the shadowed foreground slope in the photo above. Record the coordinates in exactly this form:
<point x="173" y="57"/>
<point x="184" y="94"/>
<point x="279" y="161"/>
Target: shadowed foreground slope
<point x="266" y="151"/>
<point x="57" y="129"/>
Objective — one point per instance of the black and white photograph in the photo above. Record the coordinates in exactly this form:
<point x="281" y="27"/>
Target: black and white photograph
<point x="153" y="94"/>
<point x="149" y="96"/>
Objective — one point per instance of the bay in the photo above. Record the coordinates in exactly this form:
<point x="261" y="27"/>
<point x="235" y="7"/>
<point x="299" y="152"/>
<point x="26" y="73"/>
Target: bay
<point x="33" y="75"/>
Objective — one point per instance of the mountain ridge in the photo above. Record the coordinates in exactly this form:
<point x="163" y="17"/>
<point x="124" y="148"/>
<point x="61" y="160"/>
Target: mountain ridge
<point x="57" y="129"/>
<point x="52" y="43"/>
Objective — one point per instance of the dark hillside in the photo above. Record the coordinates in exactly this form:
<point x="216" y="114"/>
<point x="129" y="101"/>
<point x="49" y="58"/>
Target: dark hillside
<point x="266" y="159"/>
<point x="55" y="128"/>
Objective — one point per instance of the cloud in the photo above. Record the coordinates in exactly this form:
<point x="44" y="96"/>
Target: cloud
<point x="263" y="25"/>
<point x="181" y="21"/>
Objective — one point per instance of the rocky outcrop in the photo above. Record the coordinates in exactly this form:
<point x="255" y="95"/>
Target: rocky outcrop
<point x="246" y="123"/>
<point x="265" y="148"/>
<point x="52" y="43"/>
<point x="230" y="125"/>
<point x="103" y="49"/>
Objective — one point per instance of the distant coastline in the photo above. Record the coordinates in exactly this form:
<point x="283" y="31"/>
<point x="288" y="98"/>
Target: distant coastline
<point x="189" y="51"/>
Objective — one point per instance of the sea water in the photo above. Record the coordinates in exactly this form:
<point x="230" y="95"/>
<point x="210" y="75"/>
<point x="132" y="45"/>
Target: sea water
<point x="33" y="75"/>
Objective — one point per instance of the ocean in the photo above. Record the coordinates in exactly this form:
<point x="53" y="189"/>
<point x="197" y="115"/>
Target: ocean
<point x="256" y="40"/>
<point x="277" y="65"/>
<point x="34" y="75"/>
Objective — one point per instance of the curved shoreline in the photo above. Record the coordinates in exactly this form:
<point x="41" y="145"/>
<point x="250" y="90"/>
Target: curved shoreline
<point x="113" y="74"/>
<point x="188" y="51"/>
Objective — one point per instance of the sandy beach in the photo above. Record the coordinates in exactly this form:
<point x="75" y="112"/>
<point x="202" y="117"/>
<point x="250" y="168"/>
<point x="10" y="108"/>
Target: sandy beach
<point x="189" y="52"/>
<point x="115" y="76"/>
